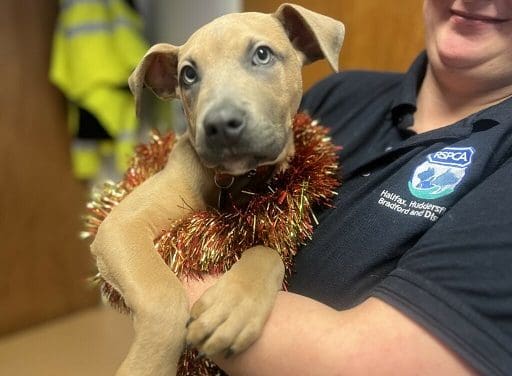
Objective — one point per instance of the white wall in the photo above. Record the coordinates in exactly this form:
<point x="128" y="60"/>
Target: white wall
<point x="173" y="21"/>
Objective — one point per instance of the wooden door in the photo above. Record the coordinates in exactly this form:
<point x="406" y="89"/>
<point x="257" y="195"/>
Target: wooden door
<point x="380" y="35"/>
<point x="43" y="264"/>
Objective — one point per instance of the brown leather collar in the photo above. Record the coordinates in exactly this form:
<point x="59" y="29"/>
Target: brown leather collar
<point x="239" y="188"/>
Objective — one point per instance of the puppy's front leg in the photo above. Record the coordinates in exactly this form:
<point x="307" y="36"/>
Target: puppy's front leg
<point x="126" y="258"/>
<point x="230" y="315"/>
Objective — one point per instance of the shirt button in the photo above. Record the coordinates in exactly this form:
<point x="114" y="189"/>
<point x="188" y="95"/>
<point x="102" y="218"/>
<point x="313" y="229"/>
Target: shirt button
<point x="388" y="148"/>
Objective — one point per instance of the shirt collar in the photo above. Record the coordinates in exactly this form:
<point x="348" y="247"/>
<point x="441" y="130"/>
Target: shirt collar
<point x="404" y="104"/>
<point x="494" y="115"/>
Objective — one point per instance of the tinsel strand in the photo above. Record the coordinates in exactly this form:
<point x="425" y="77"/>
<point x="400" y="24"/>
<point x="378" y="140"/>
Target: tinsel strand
<point x="279" y="216"/>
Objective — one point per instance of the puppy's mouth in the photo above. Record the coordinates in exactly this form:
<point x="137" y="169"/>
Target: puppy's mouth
<point x="232" y="142"/>
<point x="233" y="164"/>
<point x="246" y="156"/>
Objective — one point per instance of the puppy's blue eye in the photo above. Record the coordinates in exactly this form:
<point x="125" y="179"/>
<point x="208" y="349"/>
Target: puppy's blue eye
<point x="189" y="75"/>
<point x="262" y="56"/>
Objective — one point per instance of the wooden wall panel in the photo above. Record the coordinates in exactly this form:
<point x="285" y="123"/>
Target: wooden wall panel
<point x="43" y="264"/>
<point x="380" y="35"/>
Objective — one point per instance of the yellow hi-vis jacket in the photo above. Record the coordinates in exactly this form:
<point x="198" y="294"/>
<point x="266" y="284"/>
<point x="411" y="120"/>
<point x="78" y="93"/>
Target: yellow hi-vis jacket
<point x="97" y="44"/>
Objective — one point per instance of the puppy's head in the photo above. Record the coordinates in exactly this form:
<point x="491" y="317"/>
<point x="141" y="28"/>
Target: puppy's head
<point x="239" y="79"/>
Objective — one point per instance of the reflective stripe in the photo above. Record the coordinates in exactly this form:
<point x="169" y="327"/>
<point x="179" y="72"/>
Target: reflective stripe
<point x="70" y="32"/>
<point x="85" y="159"/>
<point x="65" y="4"/>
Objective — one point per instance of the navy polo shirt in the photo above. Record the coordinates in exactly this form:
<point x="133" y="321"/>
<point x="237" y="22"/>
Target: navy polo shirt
<point x="421" y="221"/>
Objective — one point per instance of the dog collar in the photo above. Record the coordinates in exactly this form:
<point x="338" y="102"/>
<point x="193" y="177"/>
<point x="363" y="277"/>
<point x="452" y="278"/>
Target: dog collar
<point x="230" y="185"/>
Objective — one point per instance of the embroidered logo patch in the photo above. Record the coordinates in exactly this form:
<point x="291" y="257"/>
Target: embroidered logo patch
<point x="440" y="174"/>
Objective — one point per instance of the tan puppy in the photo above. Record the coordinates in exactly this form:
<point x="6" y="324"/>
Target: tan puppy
<point x="239" y="79"/>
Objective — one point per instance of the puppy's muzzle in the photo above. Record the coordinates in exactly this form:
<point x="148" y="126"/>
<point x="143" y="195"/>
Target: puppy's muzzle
<point x="230" y="139"/>
<point x="224" y="125"/>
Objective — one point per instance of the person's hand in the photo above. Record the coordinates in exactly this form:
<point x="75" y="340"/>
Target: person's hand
<point x="196" y="287"/>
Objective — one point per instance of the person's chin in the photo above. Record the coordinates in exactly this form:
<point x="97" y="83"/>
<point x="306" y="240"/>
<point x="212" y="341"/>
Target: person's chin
<point x="459" y="52"/>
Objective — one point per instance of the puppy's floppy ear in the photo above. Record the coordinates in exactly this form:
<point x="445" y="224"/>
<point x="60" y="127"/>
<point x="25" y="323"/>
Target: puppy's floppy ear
<point x="158" y="71"/>
<point x="316" y="36"/>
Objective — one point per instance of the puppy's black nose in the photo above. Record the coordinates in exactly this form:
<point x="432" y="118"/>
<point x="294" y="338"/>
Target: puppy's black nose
<point x="224" y="124"/>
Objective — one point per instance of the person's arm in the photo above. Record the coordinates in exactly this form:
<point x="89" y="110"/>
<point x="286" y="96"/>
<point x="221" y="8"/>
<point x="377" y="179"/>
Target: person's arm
<point x="451" y="291"/>
<point x="305" y="337"/>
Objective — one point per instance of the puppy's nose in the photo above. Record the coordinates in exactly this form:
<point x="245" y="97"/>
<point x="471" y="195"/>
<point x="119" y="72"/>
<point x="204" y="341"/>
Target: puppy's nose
<point x="224" y="124"/>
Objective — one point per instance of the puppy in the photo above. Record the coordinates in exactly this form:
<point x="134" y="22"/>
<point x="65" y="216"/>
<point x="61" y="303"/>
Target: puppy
<point x="239" y="80"/>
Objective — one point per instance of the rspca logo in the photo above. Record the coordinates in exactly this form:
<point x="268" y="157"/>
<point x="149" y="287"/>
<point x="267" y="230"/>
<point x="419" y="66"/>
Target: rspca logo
<point x="440" y="174"/>
<point x="457" y="157"/>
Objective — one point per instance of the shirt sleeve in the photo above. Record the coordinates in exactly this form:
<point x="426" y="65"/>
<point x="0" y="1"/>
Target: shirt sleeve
<point x="457" y="279"/>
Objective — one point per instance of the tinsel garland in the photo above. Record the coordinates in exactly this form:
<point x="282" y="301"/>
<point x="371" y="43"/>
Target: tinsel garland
<point x="278" y="215"/>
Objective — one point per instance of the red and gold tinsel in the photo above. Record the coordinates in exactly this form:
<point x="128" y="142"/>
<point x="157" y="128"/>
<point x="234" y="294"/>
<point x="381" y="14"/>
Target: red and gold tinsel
<point x="279" y="215"/>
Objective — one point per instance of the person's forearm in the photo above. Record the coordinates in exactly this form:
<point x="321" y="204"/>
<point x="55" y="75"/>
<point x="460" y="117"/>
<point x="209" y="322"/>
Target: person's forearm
<point x="297" y="328"/>
<point x="301" y="337"/>
<point x="305" y="337"/>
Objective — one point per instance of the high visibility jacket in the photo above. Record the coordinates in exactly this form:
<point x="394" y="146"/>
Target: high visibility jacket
<point x="97" y="44"/>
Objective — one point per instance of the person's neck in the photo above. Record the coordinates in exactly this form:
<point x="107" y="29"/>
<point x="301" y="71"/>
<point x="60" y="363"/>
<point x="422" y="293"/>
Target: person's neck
<point x="444" y="100"/>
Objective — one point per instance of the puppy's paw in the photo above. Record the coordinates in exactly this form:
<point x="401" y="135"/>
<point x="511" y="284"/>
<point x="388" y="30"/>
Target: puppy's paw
<point x="228" y="318"/>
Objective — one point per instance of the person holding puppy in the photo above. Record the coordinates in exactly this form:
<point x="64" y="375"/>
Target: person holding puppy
<point x="411" y="272"/>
